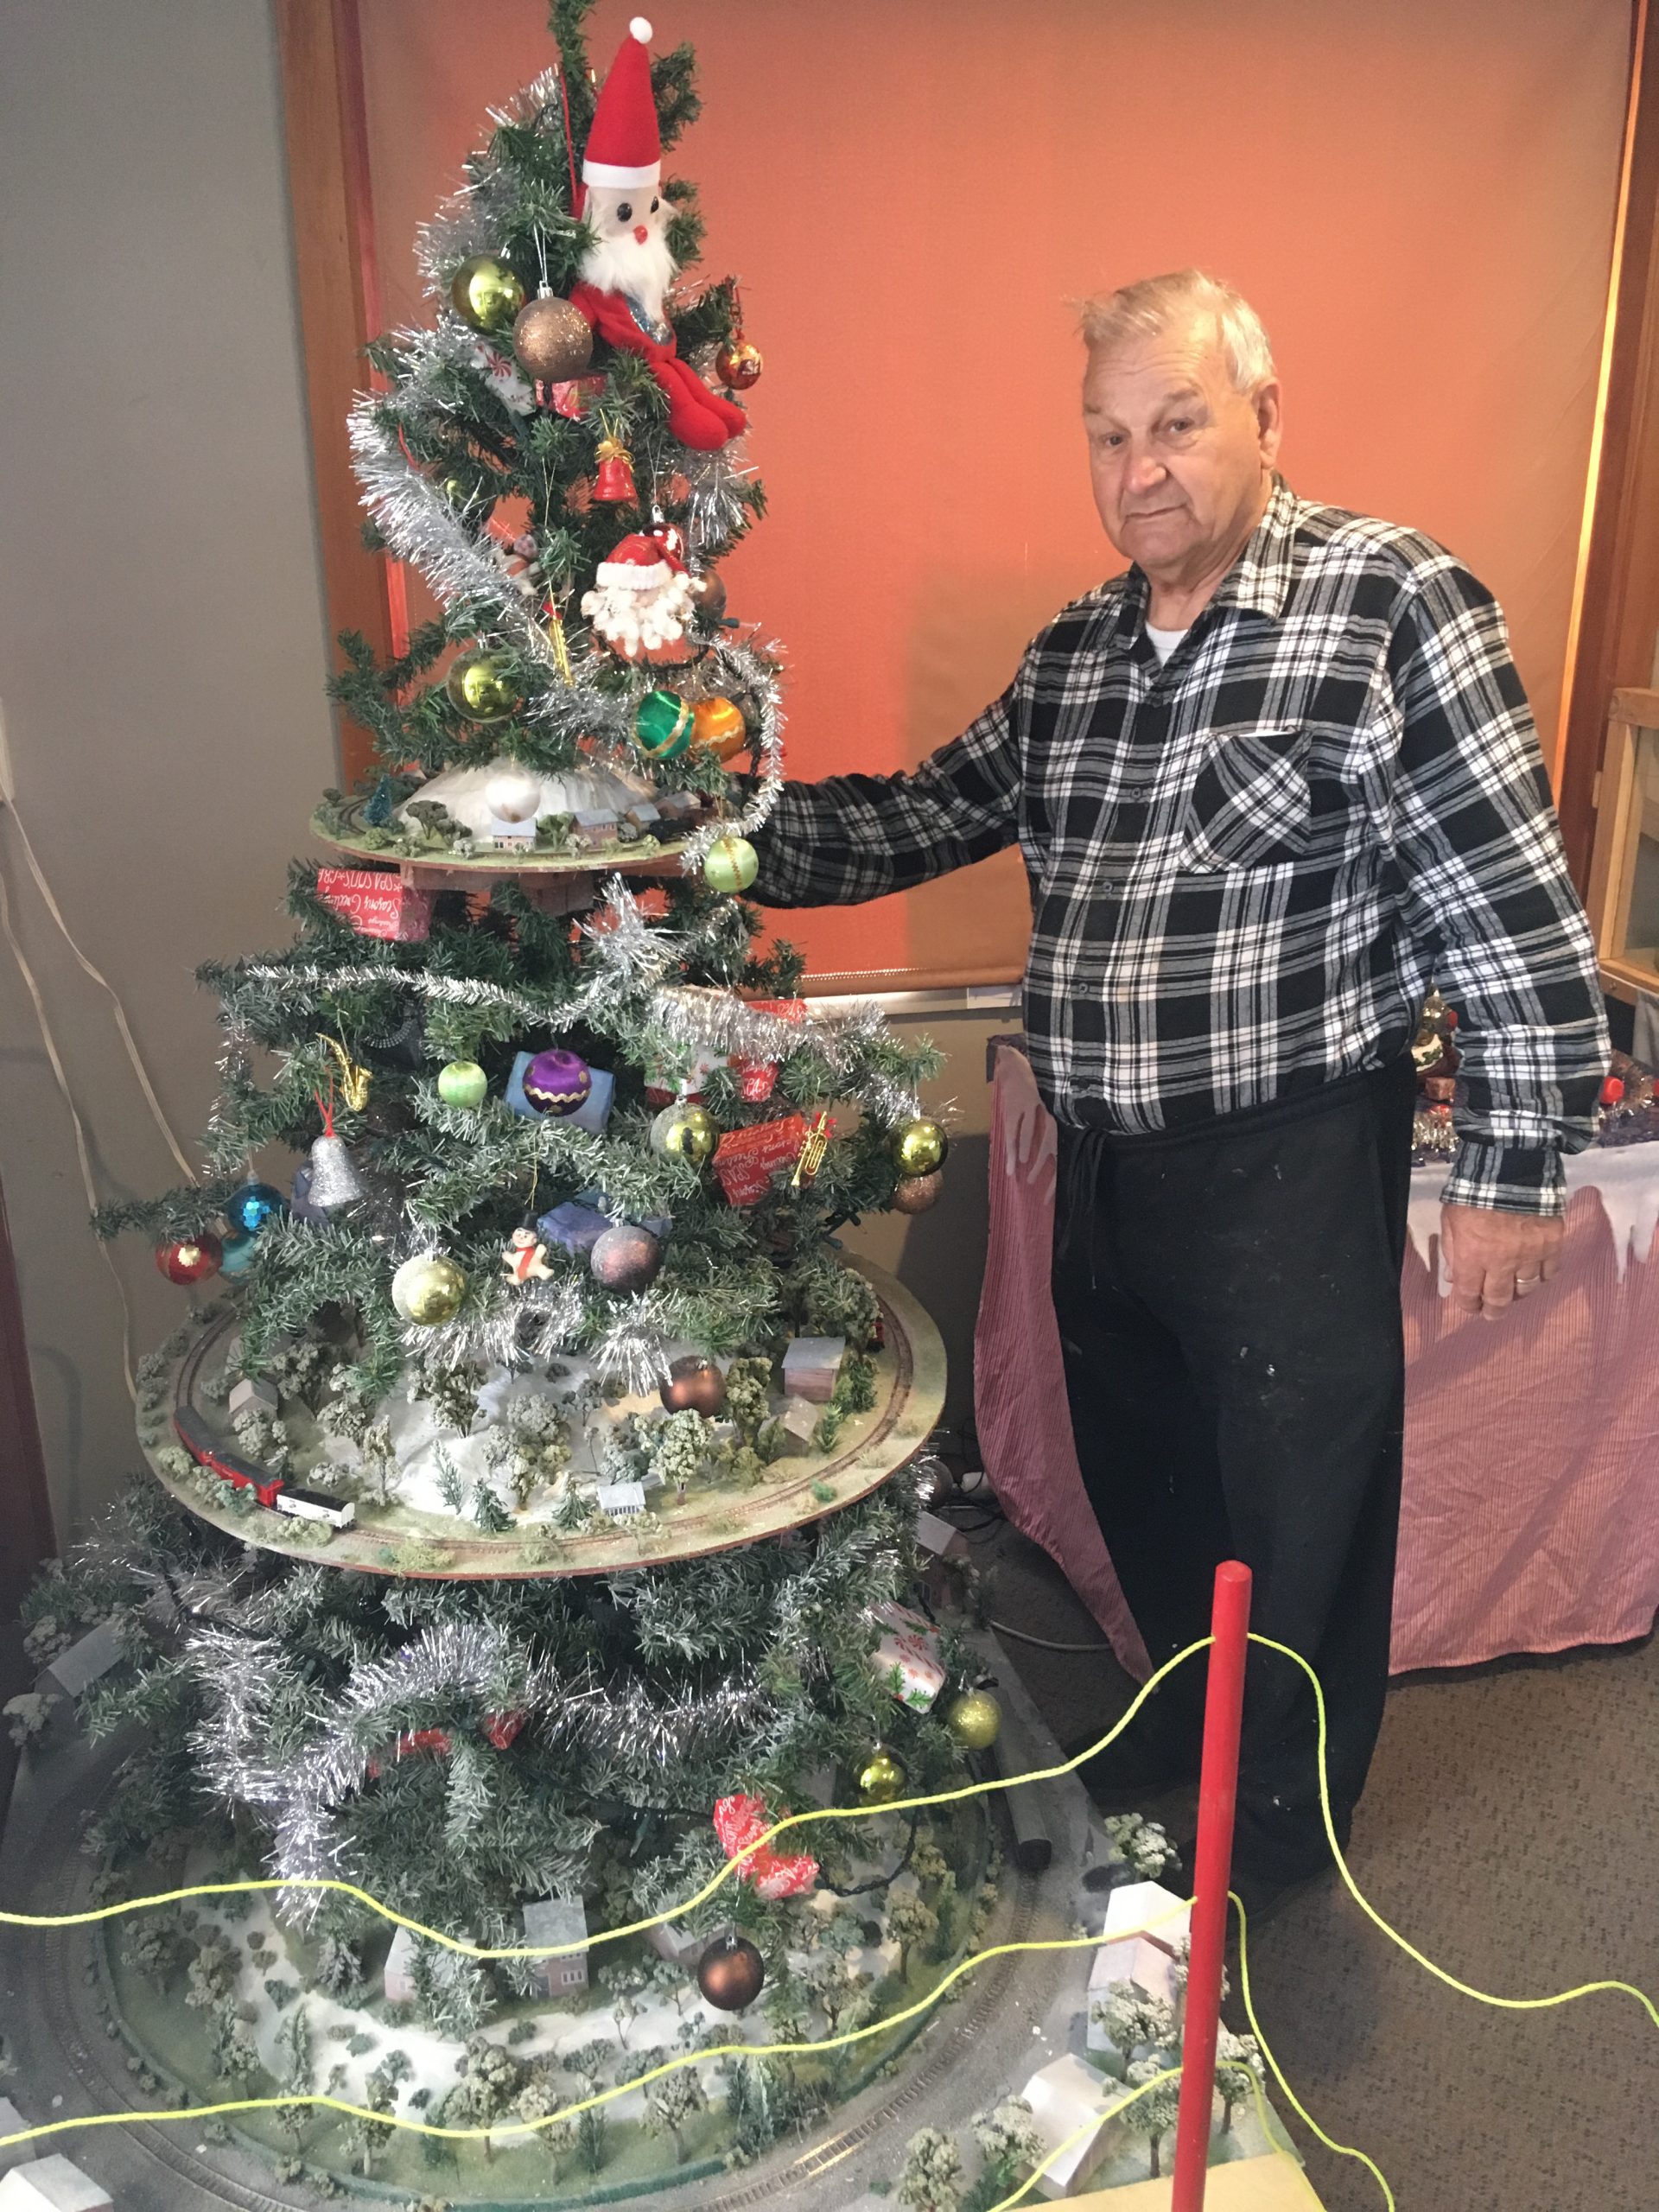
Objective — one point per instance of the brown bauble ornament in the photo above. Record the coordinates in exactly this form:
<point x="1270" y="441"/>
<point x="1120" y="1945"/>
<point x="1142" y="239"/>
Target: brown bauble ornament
<point x="738" y="364"/>
<point x="627" y="1257"/>
<point x="554" y="341"/>
<point x="731" y="1974"/>
<point x="695" y="1385"/>
<point x="916" y="1193"/>
<point x="709" y="596"/>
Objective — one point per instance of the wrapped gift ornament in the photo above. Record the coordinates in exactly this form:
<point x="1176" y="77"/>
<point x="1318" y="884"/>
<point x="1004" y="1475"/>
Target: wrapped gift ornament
<point x="747" y="1160"/>
<point x="910" y="1645"/>
<point x="738" y="1820"/>
<point x="377" y="903"/>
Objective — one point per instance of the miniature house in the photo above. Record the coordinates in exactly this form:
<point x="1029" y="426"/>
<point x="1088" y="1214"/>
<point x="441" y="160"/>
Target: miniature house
<point x="52" y="2185"/>
<point x="1063" y="2096"/>
<point x="559" y="1920"/>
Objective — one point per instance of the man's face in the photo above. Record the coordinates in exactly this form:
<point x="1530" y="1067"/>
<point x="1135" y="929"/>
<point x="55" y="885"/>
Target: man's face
<point x="1180" y="460"/>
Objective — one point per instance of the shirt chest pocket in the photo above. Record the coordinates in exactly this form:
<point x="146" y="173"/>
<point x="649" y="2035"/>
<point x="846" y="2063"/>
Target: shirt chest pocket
<point x="1250" y="805"/>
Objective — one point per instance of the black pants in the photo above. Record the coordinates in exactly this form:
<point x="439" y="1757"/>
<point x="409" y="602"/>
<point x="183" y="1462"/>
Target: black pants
<point x="1228" y="1309"/>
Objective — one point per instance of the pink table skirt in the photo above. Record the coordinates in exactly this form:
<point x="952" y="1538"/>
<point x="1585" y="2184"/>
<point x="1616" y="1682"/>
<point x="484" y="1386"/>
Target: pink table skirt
<point x="1530" y="1520"/>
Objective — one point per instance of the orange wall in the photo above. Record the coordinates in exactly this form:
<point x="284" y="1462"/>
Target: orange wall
<point x="1417" y="197"/>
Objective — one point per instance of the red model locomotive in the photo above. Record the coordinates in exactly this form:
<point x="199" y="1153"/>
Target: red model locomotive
<point x="272" y="1491"/>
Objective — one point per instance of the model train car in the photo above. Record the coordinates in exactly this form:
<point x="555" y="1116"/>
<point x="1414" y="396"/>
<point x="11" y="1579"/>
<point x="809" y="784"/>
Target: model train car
<point x="273" y="1493"/>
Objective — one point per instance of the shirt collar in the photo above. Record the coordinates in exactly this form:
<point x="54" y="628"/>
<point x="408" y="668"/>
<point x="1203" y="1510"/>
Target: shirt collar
<point x="1258" y="582"/>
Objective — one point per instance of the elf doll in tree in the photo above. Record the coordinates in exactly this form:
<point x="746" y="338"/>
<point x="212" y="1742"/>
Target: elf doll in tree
<point x="627" y="274"/>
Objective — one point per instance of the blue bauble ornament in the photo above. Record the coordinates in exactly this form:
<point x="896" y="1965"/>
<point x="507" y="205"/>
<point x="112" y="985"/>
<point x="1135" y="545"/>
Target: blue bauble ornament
<point x="253" y="1205"/>
<point x="241" y="1250"/>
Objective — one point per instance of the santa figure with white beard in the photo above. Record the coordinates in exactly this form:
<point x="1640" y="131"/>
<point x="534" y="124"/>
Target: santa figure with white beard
<point x="626" y="273"/>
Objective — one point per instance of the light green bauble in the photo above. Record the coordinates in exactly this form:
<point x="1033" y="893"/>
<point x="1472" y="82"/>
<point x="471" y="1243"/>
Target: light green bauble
<point x="428" y="1289"/>
<point x="882" y="1778"/>
<point x="732" y="865"/>
<point x="974" y="1719"/>
<point x="485" y="293"/>
<point x="463" y="1082"/>
<point x="919" y="1146"/>
<point x="685" y="1131"/>
<point x="483" y="686"/>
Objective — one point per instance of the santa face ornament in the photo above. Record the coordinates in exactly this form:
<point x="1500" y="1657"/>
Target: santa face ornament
<point x="630" y="251"/>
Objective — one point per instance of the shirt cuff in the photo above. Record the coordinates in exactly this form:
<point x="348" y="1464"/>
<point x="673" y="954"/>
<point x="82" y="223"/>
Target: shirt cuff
<point x="1509" y="1179"/>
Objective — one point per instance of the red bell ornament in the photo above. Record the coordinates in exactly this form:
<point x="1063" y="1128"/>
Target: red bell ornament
<point x="614" y="482"/>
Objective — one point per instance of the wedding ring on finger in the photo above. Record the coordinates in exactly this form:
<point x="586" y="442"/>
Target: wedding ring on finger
<point x="1524" y="1283"/>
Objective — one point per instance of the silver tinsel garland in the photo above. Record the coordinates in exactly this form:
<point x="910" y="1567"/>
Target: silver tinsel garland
<point x="304" y="1790"/>
<point x="472" y="218"/>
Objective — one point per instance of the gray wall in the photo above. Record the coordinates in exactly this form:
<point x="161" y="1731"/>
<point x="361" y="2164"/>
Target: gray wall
<point x="162" y="653"/>
<point x="162" y="629"/>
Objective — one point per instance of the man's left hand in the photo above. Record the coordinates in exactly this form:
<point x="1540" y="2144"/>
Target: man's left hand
<point x="1494" y="1258"/>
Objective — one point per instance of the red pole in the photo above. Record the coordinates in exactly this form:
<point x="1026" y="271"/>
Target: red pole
<point x="1223" y="1709"/>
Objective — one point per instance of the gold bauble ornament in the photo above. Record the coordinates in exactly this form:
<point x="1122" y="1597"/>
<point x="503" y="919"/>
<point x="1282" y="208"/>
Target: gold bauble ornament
<point x="554" y="341"/>
<point x="973" y="1720"/>
<point x="717" y="725"/>
<point x="485" y="293"/>
<point x="916" y="1193"/>
<point x="919" y="1146"/>
<point x="882" y="1778"/>
<point x="428" y="1289"/>
<point x="685" y="1131"/>
<point x="482" y="686"/>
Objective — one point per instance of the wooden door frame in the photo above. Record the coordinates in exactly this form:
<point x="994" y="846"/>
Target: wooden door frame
<point x="1611" y="643"/>
<point x="1616" y="594"/>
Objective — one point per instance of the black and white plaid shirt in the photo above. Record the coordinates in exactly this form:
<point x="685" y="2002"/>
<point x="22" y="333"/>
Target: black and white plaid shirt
<point x="1248" y="866"/>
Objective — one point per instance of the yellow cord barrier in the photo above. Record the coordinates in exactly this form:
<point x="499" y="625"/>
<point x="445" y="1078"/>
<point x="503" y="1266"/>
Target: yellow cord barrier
<point x="317" y="2101"/>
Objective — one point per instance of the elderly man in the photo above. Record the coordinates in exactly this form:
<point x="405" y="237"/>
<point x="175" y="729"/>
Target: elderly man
<point x="1268" y="786"/>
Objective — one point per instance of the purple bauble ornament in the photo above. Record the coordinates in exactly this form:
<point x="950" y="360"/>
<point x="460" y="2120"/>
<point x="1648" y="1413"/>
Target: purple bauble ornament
<point x="556" y="1082"/>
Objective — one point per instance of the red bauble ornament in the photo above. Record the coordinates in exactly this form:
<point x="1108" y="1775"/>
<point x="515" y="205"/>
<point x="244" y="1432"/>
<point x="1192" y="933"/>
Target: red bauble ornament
<point x="738" y="364"/>
<point x="695" y="1385"/>
<point x="731" y="1974"/>
<point x="190" y="1259"/>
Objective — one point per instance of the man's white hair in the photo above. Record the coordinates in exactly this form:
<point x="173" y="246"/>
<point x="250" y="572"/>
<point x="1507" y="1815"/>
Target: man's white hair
<point x="1158" y="304"/>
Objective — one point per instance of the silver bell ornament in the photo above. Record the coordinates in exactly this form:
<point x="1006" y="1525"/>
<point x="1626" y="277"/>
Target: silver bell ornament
<point x="335" y="1180"/>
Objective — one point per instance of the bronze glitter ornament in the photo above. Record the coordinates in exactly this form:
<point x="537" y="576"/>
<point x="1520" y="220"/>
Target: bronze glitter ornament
<point x="695" y="1385"/>
<point x="554" y="341"/>
<point x="731" y="1974"/>
<point x="709" y="596"/>
<point x="916" y="1193"/>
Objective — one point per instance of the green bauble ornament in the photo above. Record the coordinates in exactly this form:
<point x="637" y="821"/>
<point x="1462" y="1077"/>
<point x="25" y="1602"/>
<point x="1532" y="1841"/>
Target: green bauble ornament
<point x="732" y="864"/>
<point x="483" y="686"/>
<point x="485" y="293"/>
<point x="974" y="1719"/>
<point x="428" y="1289"/>
<point x="919" y="1146"/>
<point x="685" y="1131"/>
<point x="882" y="1778"/>
<point x="663" y="723"/>
<point x="463" y="1082"/>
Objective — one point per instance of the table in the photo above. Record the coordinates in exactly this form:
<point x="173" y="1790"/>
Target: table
<point x="1530" y="1513"/>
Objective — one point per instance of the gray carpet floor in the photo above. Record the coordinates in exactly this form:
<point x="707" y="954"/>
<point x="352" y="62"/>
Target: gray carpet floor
<point x="1511" y="1830"/>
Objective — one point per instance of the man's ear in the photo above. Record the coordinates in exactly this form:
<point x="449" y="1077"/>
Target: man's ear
<point x="1269" y="418"/>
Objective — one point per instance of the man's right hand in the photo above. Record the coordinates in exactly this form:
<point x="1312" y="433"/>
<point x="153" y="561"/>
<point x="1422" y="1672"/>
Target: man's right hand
<point x="1029" y="1137"/>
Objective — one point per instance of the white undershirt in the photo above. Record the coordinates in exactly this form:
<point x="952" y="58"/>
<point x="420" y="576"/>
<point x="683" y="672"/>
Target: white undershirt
<point x="1164" y="642"/>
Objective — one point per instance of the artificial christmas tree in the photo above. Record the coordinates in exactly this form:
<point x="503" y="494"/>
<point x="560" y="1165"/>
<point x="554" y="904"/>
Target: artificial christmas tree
<point x="550" y="1555"/>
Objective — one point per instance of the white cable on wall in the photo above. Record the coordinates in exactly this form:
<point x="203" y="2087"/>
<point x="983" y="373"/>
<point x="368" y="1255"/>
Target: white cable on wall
<point x="104" y="984"/>
<point x="88" y="1183"/>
